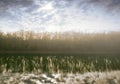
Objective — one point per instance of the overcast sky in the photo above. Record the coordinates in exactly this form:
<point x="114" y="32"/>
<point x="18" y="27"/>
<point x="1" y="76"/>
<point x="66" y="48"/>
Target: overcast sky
<point x="60" y="15"/>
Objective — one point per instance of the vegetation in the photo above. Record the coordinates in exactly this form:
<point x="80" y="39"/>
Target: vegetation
<point x="87" y="46"/>
<point x="60" y="42"/>
<point x="60" y="63"/>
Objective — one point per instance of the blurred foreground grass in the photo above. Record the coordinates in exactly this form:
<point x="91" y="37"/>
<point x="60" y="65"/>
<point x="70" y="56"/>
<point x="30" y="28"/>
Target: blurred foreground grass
<point x="59" y="63"/>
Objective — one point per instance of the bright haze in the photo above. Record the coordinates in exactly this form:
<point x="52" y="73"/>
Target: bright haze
<point x="60" y="15"/>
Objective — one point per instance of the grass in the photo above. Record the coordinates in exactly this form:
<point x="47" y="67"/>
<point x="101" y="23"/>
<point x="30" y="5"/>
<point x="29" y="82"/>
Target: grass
<point x="59" y="63"/>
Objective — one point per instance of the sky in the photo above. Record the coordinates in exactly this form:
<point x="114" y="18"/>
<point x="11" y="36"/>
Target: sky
<point x="60" y="15"/>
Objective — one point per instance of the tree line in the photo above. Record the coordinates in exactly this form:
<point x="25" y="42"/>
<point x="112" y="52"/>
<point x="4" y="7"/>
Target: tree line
<point x="60" y="42"/>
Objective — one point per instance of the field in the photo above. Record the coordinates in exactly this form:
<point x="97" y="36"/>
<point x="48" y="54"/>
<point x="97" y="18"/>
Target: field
<point x="60" y="63"/>
<point x="80" y="69"/>
<point x="27" y="57"/>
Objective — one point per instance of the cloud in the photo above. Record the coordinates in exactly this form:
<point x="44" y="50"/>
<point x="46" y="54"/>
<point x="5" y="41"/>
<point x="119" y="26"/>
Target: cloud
<point x="59" y="15"/>
<point x="14" y="3"/>
<point x="8" y="6"/>
<point x="111" y="6"/>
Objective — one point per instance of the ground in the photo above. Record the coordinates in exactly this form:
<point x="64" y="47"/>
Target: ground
<point x="112" y="77"/>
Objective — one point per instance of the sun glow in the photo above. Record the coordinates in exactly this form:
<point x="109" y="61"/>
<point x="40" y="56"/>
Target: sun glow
<point x="46" y="7"/>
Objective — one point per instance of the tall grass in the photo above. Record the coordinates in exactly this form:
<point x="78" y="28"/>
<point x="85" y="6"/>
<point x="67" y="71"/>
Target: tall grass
<point x="58" y="63"/>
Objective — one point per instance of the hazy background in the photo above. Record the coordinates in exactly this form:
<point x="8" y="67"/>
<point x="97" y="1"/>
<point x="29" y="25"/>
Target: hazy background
<point x="60" y="15"/>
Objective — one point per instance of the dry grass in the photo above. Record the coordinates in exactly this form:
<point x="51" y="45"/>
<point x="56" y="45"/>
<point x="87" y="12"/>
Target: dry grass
<point x="60" y="63"/>
<point x="112" y="77"/>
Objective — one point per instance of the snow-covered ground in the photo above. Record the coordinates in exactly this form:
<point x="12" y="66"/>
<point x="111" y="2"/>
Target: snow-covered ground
<point x="112" y="77"/>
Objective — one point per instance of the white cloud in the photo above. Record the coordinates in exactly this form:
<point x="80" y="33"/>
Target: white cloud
<point x="51" y="19"/>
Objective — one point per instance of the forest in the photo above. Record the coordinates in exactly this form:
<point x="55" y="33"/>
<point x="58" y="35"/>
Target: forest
<point x="71" y="42"/>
